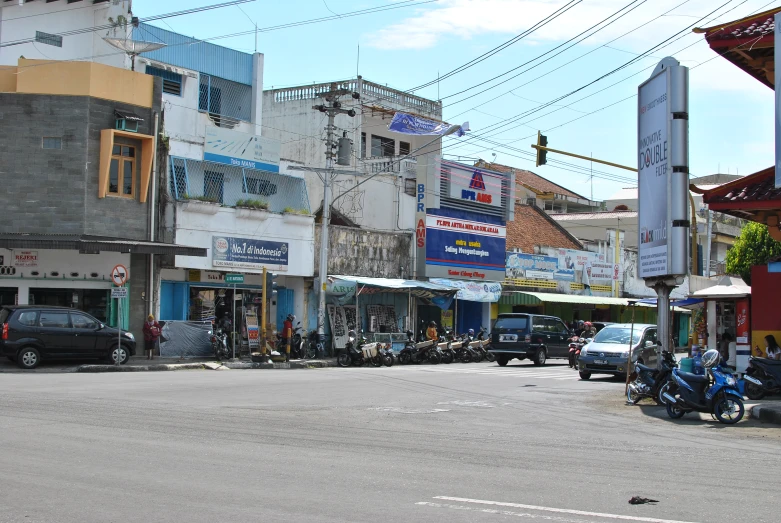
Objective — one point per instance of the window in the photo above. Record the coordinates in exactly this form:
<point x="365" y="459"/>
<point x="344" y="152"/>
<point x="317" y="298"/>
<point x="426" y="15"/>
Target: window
<point x="28" y="318"/>
<point x="363" y="145"/>
<point x="404" y="148"/>
<point x="617" y="335"/>
<point x="552" y="325"/>
<point x="382" y="146"/>
<point x="514" y="323"/>
<point x="82" y="321"/>
<point x="213" y="185"/>
<point x="172" y="82"/>
<point x="650" y="335"/>
<point x="121" y="179"/>
<point x="178" y="181"/>
<point x="48" y="39"/>
<point x="259" y="186"/>
<point x="51" y="142"/>
<point x="54" y="319"/>
<point x="538" y="324"/>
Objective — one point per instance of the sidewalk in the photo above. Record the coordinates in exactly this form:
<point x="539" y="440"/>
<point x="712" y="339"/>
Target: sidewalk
<point x="768" y="411"/>
<point x="141" y="364"/>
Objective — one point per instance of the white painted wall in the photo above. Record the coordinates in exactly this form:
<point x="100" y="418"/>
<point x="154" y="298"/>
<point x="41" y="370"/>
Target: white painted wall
<point x="195" y="229"/>
<point x="20" y="21"/>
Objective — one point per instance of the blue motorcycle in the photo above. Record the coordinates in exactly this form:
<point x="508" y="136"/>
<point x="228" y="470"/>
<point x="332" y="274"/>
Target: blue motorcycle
<point x="716" y="393"/>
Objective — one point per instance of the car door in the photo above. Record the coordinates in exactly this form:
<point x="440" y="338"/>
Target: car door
<point x="54" y="331"/>
<point x="554" y="334"/>
<point x="85" y="334"/>
<point x="648" y="354"/>
<point x="539" y="333"/>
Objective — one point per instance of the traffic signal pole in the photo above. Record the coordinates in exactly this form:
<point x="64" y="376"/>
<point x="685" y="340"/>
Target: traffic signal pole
<point x="542" y="147"/>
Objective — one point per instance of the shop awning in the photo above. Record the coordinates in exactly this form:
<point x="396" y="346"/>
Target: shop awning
<point x="484" y="292"/>
<point x="686" y="302"/>
<point x="95" y="244"/>
<point x="723" y="292"/>
<point x="572" y="298"/>
<point x="420" y="289"/>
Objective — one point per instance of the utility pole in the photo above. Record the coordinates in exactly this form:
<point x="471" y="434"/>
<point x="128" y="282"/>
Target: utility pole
<point x="333" y="108"/>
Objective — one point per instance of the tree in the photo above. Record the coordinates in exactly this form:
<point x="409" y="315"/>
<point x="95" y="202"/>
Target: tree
<point x="754" y="246"/>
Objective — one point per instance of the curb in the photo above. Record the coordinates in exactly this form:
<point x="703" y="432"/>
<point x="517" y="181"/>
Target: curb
<point x="206" y="366"/>
<point x="766" y="414"/>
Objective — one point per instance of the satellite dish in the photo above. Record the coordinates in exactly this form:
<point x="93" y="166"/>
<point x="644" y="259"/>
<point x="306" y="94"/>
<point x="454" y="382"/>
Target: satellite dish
<point x="133" y="48"/>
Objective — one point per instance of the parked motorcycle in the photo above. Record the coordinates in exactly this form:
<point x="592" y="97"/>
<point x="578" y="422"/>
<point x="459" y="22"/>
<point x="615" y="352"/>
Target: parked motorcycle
<point x="763" y="377"/>
<point x="419" y="352"/>
<point x="650" y="382"/>
<point x="480" y="346"/>
<point x="219" y="341"/>
<point x="314" y="347"/>
<point x="388" y="356"/>
<point x="297" y="350"/>
<point x="716" y="392"/>
<point x="445" y="346"/>
<point x="351" y="354"/>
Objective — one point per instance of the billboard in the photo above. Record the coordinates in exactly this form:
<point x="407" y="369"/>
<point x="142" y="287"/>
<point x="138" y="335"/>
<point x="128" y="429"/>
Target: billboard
<point x="464" y="249"/>
<point x="244" y="253"/>
<point x="564" y="265"/>
<point x="475" y="185"/>
<point x="653" y="171"/>
<point x="244" y="150"/>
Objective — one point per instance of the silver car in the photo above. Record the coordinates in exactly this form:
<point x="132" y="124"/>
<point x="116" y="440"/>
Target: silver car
<point x="609" y="351"/>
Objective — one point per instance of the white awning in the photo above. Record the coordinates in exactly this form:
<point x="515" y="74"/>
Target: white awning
<point x="590" y="300"/>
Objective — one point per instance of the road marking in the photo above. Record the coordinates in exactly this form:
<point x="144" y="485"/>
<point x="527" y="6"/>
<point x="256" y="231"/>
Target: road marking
<point x="559" y="510"/>
<point x="560" y="519"/>
<point x="551" y="374"/>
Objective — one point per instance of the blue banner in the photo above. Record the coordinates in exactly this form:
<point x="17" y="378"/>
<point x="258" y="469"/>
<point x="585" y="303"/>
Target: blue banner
<point x="407" y="124"/>
<point x="462" y="249"/>
<point x="243" y="253"/>
<point x="536" y="267"/>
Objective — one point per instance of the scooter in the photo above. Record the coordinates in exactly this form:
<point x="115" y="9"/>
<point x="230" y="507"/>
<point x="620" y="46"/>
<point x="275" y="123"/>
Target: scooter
<point x="219" y="341"/>
<point x="445" y="345"/>
<point x="650" y="382"/>
<point x="763" y="377"/>
<point x="575" y="345"/>
<point x="351" y="354"/>
<point x="716" y="393"/>
<point x="419" y="352"/>
<point x="479" y="346"/>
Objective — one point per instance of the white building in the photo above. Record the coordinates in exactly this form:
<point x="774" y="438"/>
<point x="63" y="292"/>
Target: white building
<point x="34" y="30"/>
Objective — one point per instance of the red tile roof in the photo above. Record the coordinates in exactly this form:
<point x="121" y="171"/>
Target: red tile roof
<point x="757" y="187"/>
<point x="532" y="227"/>
<point x="529" y="179"/>
<point x="751" y="27"/>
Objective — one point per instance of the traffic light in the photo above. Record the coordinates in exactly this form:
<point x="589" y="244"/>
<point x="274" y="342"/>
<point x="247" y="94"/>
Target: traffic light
<point x="271" y="285"/>
<point x="542" y="141"/>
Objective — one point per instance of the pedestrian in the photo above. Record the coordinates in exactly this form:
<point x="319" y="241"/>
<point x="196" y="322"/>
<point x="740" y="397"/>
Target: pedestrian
<point x="151" y="333"/>
<point x="772" y="348"/>
<point x="431" y="332"/>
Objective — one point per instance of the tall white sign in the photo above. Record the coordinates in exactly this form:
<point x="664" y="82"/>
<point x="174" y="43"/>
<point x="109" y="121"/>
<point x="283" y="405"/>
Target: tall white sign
<point x="653" y="172"/>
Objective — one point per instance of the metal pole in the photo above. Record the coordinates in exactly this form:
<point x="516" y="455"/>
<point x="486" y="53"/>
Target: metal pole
<point x="709" y="233"/>
<point x="662" y="319"/>
<point x="629" y="357"/>
<point x="119" y="329"/>
<point x="455" y="318"/>
<point x="263" y="316"/>
<point x="233" y="323"/>
<point x="324" y="226"/>
<point x="153" y="220"/>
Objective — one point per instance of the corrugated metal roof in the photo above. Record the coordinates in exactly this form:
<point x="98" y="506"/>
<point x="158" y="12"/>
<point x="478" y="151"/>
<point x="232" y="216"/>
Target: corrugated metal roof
<point x="578" y="216"/>
<point x="196" y="55"/>
<point x="94" y="244"/>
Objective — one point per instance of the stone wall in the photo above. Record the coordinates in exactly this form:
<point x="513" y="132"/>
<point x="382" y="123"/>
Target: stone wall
<point x="360" y="252"/>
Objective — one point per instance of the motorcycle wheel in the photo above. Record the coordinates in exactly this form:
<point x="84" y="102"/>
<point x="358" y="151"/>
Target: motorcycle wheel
<point x="434" y="358"/>
<point x="466" y="357"/>
<point x="447" y="357"/>
<point x="311" y="352"/>
<point x="387" y="360"/>
<point x="376" y="361"/>
<point x="343" y="360"/>
<point x="490" y="356"/>
<point x="404" y="358"/>
<point x="674" y="411"/>
<point x="753" y="391"/>
<point x="659" y="399"/>
<point x="632" y="396"/>
<point x="729" y="410"/>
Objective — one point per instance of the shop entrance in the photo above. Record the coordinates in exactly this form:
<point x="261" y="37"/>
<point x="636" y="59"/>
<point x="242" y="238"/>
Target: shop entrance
<point x="92" y="301"/>
<point x="8" y="295"/>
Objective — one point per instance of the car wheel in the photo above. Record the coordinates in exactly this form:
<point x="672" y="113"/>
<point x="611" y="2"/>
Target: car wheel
<point x="540" y="358"/>
<point x="502" y="360"/>
<point x="585" y="375"/>
<point x="28" y="358"/>
<point x="118" y="353"/>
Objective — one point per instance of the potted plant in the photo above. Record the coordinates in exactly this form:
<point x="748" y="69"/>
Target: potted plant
<point x="293" y="215"/>
<point x="257" y="209"/>
<point x="201" y="204"/>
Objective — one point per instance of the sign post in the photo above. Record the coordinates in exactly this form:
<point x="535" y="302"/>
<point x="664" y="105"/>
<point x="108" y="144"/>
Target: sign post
<point x="119" y="276"/>
<point x="663" y="185"/>
<point x="234" y="279"/>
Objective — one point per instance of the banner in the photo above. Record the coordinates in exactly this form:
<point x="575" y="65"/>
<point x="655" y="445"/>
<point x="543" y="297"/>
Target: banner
<point x="475" y="185"/>
<point x="464" y="249"/>
<point x="472" y="290"/>
<point x="407" y="124"/>
<point x="244" y="150"/>
<point x="243" y="253"/>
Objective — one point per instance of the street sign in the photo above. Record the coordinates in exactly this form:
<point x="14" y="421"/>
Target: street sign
<point x="234" y="278"/>
<point x="119" y="275"/>
<point x="119" y="292"/>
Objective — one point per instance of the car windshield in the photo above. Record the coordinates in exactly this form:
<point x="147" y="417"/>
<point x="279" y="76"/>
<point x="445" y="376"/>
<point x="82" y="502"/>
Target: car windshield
<point x="618" y="335"/>
<point x="512" y="323"/>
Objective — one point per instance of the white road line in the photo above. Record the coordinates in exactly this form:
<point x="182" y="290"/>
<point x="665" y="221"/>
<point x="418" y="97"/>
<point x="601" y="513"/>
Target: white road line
<point x="553" y="374"/>
<point x="527" y="515"/>
<point x="560" y="510"/>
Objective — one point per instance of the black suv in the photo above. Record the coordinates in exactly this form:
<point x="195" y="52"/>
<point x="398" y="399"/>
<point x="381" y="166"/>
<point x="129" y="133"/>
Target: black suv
<point x="532" y="336"/>
<point x="34" y="332"/>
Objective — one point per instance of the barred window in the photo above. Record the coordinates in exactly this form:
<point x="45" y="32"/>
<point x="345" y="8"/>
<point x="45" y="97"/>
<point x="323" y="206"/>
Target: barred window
<point x="259" y="186"/>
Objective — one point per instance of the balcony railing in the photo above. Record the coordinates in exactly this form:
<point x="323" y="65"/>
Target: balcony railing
<point x="390" y="165"/>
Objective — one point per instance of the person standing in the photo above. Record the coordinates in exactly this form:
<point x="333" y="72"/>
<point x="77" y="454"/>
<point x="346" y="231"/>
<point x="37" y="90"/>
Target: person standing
<point x="151" y="334"/>
<point x="431" y="332"/>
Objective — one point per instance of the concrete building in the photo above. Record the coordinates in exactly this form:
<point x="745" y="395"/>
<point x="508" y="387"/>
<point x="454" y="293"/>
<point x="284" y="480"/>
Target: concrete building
<point x="77" y="153"/>
<point x="34" y="30"/>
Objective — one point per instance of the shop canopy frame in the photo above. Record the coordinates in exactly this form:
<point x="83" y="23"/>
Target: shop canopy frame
<point x="95" y="244"/>
<point x="419" y="289"/>
<point x="587" y="300"/>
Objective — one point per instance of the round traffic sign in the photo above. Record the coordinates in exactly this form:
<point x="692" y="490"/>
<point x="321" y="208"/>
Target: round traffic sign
<point x="119" y="275"/>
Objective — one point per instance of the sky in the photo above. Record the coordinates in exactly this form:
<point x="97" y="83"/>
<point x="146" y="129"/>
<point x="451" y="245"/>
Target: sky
<point x="411" y="43"/>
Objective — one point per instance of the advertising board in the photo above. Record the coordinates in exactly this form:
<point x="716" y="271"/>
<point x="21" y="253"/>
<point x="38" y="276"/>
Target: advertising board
<point x="244" y="253"/>
<point x="475" y="185"/>
<point x="464" y="249"/>
<point x="244" y="150"/>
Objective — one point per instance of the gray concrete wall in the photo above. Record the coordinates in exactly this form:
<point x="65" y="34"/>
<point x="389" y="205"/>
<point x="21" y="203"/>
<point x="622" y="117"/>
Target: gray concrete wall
<point x="359" y="252"/>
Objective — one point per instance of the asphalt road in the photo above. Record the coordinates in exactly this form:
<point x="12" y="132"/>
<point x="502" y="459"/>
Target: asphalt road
<point x="457" y="443"/>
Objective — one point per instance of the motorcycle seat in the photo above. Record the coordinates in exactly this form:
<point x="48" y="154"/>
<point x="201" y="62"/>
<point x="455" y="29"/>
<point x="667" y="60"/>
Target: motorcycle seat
<point x="688" y="377"/>
<point x="768" y="361"/>
<point x="640" y="366"/>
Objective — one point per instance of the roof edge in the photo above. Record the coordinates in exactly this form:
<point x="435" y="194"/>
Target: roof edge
<point x="705" y="30"/>
<point x="751" y="178"/>
<point x="555" y="224"/>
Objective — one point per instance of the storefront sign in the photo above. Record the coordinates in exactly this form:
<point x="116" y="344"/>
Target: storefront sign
<point x="26" y="258"/>
<point x="234" y="279"/>
<point x="241" y="149"/>
<point x="194" y="275"/>
<point x="472" y="290"/>
<point x="531" y="266"/>
<point x="464" y="249"/>
<point x="244" y="253"/>
<point x="475" y="185"/>
<point x="447" y="319"/>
